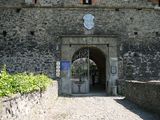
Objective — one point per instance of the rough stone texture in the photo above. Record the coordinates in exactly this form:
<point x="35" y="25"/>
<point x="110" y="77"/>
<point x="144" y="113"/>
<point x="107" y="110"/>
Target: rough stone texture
<point x="111" y="3"/>
<point x="51" y="2"/>
<point x="108" y="3"/>
<point x="30" y="36"/>
<point x="22" y="51"/>
<point x="145" y="94"/>
<point x="27" y="45"/>
<point x="11" y="3"/>
<point x="31" y="106"/>
<point x="97" y="108"/>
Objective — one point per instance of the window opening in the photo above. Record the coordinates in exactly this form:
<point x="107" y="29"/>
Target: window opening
<point x="87" y="2"/>
<point x="35" y="1"/>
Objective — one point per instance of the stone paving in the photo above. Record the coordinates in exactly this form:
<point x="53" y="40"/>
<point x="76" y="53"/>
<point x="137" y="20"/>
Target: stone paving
<point x="97" y="108"/>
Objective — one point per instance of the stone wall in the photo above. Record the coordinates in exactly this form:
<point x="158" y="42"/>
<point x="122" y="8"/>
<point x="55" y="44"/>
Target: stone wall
<point x="11" y="3"/>
<point x="145" y="94"/>
<point x="30" y="37"/>
<point x="71" y="3"/>
<point x="112" y="3"/>
<point x="28" y="40"/>
<point x="30" y="106"/>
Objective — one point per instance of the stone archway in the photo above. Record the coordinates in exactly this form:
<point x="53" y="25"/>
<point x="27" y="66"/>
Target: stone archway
<point x="101" y="47"/>
<point x="96" y="69"/>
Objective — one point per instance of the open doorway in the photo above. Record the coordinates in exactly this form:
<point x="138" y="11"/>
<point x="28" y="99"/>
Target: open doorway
<point x="88" y="70"/>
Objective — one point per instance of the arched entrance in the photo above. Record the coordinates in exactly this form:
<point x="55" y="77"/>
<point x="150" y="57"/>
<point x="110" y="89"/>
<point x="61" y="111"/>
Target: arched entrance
<point x="103" y="54"/>
<point x="88" y="73"/>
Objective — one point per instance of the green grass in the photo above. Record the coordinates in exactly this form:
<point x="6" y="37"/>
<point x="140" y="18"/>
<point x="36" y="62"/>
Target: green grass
<point x="21" y="83"/>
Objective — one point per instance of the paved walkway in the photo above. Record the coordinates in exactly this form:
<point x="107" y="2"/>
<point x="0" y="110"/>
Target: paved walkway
<point x="97" y="108"/>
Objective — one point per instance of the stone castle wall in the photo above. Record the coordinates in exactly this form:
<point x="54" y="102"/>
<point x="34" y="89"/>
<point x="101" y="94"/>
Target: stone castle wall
<point x="13" y="3"/>
<point x="30" y="36"/>
<point x="145" y="94"/>
<point x="108" y="3"/>
<point x="112" y="3"/>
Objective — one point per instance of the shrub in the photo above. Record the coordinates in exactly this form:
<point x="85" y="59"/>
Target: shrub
<point x="21" y="83"/>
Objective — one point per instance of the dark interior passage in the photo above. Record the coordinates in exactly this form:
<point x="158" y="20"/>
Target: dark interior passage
<point x="97" y="67"/>
<point x="98" y="57"/>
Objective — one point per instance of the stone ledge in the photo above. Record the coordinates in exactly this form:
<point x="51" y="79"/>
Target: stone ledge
<point x="29" y="106"/>
<point x="145" y="94"/>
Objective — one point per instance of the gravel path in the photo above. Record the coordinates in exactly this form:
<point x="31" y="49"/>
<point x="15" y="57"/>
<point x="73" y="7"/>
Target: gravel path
<point x="97" y="108"/>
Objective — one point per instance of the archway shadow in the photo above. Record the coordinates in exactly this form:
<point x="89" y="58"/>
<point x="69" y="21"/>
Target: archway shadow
<point x="141" y="112"/>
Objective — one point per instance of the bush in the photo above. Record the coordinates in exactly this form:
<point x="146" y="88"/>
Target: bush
<point x="21" y="83"/>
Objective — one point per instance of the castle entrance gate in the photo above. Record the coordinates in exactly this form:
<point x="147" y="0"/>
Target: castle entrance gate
<point x="93" y="64"/>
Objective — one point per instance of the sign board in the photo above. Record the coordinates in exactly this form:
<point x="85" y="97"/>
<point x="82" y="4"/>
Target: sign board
<point x="65" y="65"/>
<point x="65" y="77"/>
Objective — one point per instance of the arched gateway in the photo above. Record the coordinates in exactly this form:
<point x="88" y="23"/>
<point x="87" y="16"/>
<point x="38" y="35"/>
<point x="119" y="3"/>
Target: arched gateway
<point x="92" y="64"/>
<point x="88" y="70"/>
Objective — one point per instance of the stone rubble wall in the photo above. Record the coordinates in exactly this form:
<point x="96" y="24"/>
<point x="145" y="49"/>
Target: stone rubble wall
<point x="30" y="106"/>
<point x="145" y="94"/>
<point x="112" y="3"/>
<point x="30" y="37"/>
<point x="11" y="3"/>
<point x="71" y="3"/>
